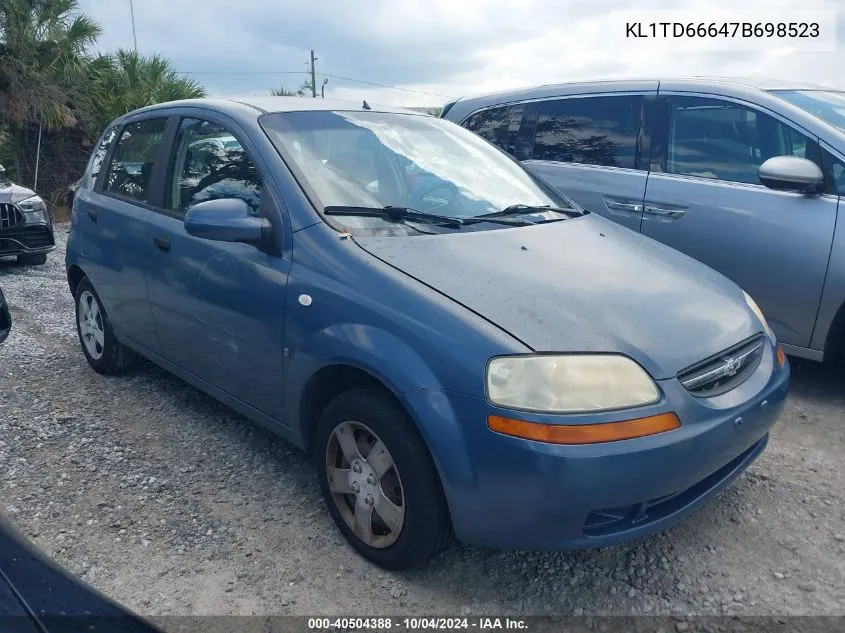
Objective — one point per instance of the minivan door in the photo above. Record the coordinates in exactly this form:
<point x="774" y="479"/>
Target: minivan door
<point x="593" y="150"/>
<point x="218" y="306"/>
<point x="704" y="198"/>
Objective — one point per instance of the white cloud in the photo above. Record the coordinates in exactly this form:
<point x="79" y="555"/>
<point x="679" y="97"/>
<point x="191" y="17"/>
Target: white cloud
<point x="437" y="46"/>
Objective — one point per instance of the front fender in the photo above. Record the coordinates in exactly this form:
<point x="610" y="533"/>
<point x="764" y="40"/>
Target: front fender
<point x="378" y="352"/>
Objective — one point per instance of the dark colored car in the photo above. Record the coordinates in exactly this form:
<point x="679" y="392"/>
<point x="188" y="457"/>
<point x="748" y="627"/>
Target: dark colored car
<point x="5" y="318"/>
<point x="461" y="349"/>
<point x="26" y="228"/>
<point x="37" y="595"/>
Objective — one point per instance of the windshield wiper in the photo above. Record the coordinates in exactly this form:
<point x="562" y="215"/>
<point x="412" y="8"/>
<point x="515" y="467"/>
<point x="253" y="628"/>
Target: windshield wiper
<point x="522" y="209"/>
<point x="401" y="214"/>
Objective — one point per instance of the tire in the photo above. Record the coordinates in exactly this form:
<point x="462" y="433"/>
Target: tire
<point x="411" y="483"/>
<point x="101" y="348"/>
<point x="32" y="260"/>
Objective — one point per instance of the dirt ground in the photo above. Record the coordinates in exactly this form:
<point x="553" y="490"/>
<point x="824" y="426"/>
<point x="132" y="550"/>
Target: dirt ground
<point x="173" y="504"/>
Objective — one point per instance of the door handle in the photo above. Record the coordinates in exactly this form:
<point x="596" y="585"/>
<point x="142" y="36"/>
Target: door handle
<point x="664" y="211"/>
<point x="623" y="206"/>
<point x="92" y="215"/>
<point x="616" y="205"/>
<point x="162" y="243"/>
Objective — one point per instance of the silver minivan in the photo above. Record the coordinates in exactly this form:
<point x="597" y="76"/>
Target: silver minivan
<point x="745" y="176"/>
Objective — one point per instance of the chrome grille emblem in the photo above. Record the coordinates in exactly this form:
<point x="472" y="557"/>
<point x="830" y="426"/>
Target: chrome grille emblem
<point x="723" y="371"/>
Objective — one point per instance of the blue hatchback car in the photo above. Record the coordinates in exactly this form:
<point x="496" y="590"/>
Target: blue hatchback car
<point x="464" y="352"/>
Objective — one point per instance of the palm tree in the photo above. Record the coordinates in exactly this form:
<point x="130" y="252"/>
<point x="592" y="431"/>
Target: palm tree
<point x="43" y="61"/>
<point x="132" y="81"/>
<point x="45" y="80"/>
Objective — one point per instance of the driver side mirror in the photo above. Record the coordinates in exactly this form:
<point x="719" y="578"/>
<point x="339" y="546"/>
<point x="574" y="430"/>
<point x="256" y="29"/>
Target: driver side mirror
<point x="791" y="173"/>
<point x="227" y="220"/>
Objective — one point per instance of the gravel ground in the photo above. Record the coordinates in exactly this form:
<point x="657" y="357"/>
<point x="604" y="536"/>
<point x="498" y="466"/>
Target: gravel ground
<point x="173" y="504"/>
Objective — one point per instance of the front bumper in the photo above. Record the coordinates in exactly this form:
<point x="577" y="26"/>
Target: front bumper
<point x="511" y="493"/>
<point x="28" y="239"/>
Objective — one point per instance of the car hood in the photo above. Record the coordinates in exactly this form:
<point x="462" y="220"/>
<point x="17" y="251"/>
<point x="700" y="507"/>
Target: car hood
<point x="13" y="193"/>
<point x="582" y="285"/>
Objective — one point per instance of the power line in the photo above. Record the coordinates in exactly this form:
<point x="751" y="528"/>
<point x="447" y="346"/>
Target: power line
<point x="372" y="83"/>
<point x="305" y="72"/>
<point x="238" y="72"/>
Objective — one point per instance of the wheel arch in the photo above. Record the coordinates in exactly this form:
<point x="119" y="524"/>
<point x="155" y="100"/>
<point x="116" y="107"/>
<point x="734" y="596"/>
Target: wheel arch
<point x="834" y="344"/>
<point x="75" y="274"/>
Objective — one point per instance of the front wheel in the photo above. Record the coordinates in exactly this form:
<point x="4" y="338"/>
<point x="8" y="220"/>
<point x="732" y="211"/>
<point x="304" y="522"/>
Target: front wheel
<point x="379" y="482"/>
<point x="101" y="348"/>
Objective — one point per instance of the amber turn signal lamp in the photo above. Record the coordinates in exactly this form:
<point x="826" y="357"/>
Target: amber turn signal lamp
<point x="781" y="356"/>
<point x="584" y="433"/>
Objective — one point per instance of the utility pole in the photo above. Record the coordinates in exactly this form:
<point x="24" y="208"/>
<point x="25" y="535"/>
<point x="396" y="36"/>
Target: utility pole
<point x="134" y="37"/>
<point x="313" y="77"/>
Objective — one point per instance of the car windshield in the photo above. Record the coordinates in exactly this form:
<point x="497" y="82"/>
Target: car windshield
<point x="825" y="104"/>
<point x="376" y="159"/>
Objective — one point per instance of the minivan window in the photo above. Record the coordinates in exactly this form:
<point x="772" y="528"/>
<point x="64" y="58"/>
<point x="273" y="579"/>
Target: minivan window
<point x="132" y="161"/>
<point x="589" y="130"/>
<point x="378" y="159"/>
<point x="713" y="138"/>
<point x="499" y="125"/>
<point x="828" y="105"/>
<point x="211" y="164"/>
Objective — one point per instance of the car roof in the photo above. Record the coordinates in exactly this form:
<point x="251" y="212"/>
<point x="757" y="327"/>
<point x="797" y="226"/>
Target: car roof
<point x="266" y="104"/>
<point x="731" y="86"/>
<point x="637" y="84"/>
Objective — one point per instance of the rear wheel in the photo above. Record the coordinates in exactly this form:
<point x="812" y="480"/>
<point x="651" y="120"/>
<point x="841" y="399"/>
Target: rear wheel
<point x="101" y="348"/>
<point x="32" y="260"/>
<point x="378" y="480"/>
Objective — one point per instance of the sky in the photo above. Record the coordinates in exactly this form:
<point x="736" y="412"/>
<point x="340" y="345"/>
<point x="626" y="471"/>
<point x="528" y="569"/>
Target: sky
<point x="437" y="50"/>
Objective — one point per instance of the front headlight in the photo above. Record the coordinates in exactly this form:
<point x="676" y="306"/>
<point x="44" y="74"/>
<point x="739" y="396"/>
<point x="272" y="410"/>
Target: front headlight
<point x="569" y="383"/>
<point x="34" y="210"/>
<point x="756" y="310"/>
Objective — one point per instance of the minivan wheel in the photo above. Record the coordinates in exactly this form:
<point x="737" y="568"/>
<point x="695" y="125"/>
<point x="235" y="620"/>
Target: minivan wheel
<point x="102" y="350"/>
<point x="379" y="482"/>
<point x="32" y="260"/>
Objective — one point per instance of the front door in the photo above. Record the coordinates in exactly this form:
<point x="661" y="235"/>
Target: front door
<point x="703" y="198"/>
<point x="218" y="307"/>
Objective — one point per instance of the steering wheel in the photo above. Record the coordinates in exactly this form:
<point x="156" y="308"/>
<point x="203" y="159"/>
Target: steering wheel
<point x="418" y="198"/>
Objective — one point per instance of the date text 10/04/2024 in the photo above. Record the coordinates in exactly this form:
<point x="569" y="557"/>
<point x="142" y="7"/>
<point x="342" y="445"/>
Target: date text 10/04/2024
<point x="416" y="623"/>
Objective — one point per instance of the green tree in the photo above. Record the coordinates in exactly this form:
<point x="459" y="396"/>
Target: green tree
<point x="303" y="91"/>
<point x="45" y="75"/>
<point x="130" y="81"/>
<point x="43" y="61"/>
<point x="284" y="92"/>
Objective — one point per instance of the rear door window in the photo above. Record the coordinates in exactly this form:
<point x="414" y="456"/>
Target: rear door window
<point x="500" y="126"/>
<point x="131" y="167"/>
<point x="590" y="130"/>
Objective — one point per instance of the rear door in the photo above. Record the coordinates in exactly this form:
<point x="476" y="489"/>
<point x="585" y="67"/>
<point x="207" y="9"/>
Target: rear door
<point x="111" y="224"/>
<point x="592" y="149"/>
<point x="704" y="198"/>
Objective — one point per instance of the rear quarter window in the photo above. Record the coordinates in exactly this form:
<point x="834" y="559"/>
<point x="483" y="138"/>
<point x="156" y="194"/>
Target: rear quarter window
<point x="97" y="157"/>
